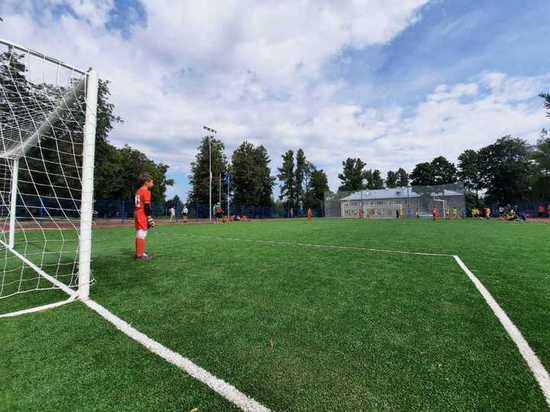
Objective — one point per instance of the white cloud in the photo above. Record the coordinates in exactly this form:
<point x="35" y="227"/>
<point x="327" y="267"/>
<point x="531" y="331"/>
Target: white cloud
<point x="95" y="12"/>
<point x="255" y="70"/>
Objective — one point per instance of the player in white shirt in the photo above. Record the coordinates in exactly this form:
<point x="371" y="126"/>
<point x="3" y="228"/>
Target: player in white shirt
<point x="185" y="213"/>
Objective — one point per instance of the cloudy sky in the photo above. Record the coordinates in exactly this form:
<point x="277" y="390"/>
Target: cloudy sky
<point x="394" y="82"/>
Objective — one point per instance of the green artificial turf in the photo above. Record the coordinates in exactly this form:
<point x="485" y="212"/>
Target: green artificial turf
<point x="295" y="327"/>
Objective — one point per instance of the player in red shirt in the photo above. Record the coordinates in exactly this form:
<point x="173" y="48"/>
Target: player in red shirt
<point x="142" y="215"/>
<point x="309" y="215"/>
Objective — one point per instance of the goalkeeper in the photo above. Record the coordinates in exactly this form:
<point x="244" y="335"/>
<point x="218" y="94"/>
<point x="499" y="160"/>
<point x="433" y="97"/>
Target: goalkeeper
<point x="142" y="215"/>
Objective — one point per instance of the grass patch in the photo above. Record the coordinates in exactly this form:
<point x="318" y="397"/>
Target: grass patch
<point x="298" y="328"/>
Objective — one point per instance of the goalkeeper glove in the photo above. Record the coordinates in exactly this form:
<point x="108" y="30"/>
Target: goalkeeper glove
<point x="150" y="222"/>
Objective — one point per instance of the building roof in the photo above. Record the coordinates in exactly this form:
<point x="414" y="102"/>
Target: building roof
<point x="396" y="193"/>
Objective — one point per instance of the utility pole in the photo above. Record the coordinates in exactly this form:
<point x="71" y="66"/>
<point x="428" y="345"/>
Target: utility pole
<point x="210" y="136"/>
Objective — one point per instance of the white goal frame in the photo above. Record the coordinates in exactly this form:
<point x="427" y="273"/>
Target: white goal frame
<point x="88" y="85"/>
<point x="443" y="203"/>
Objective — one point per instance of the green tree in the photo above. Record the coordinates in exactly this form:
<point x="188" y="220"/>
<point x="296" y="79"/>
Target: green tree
<point x="117" y="171"/>
<point x="267" y="181"/>
<point x="175" y="202"/>
<point x="317" y="187"/>
<point x="302" y="172"/>
<point x="437" y="172"/>
<point x="133" y="164"/>
<point x="352" y="175"/>
<point x="391" y="179"/>
<point x="541" y="167"/>
<point x="251" y="176"/>
<point x="108" y="167"/>
<point x="402" y="177"/>
<point x="199" y="178"/>
<point x="422" y="175"/>
<point x="374" y="179"/>
<point x="444" y="172"/>
<point x="469" y="171"/>
<point x="506" y="166"/>
<point x="287" y="177"/>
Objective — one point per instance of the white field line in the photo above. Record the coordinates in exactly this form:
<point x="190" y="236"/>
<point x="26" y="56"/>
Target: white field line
<point x="316" y="245"/>
<point x="232" y="394"/>
<point x="38" y="270"/>
<point x="219" y="386"/>
<point x="534" y="363"/>
<point x="38" y="308"/>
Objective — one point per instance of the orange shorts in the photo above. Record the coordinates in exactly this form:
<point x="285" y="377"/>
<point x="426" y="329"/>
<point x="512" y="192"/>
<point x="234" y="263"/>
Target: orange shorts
<point x="140" y="221"/>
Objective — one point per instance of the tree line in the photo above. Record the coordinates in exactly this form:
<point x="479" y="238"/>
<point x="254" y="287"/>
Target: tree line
<point x="506" y="171"/>
<point x="246" y="179"/>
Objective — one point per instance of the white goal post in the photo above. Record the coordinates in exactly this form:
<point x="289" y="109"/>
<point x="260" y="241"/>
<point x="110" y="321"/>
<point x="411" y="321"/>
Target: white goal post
<point x="443" y="207"/>
<point x="48" y="113"/>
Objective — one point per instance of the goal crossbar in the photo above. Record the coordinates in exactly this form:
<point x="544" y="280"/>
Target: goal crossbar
<point x="35" y="53"/>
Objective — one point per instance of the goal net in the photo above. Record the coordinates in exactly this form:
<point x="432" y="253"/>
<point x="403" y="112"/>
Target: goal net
<point x="398" y="202"/>
<point x="47" y="137"/>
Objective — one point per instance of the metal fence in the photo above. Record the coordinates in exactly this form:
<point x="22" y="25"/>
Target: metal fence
<point x="124" y="209"/>
<point x="448" y="201"/>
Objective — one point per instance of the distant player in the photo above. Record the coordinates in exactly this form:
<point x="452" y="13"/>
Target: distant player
<point x="309" y="215"/>
<point x="172" y="212"/>
<point x="435" y="213"/>
<point x="142" y="215"/>
<point x="185" y="214"/>
<point x="218" y="212"/>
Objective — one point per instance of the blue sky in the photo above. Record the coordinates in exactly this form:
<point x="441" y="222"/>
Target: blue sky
<point x="393" y="82"/>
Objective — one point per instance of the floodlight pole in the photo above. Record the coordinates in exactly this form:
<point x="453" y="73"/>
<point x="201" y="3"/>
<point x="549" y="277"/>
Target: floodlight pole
<point x="220" y="189"/>
<point x="210" y="130"/>
<point x="228" y="189"/>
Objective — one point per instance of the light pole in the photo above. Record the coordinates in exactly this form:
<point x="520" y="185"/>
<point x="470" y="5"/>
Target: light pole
<point x="220" y="189"/>
<point x="228" y="191"/>
<point x="212" y="132"/>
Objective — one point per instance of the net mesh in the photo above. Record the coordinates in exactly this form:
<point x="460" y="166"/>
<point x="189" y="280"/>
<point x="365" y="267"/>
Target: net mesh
<point x="401" y="202"/>
<point x="42" y="113"/>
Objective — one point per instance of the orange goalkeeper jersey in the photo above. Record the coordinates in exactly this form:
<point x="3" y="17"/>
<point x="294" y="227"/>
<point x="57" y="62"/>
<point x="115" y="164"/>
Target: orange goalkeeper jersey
<point x="143" y="197"/>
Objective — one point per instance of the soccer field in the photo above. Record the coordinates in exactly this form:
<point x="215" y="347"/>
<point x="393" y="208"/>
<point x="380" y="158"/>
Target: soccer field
<point x="329" y="315"/>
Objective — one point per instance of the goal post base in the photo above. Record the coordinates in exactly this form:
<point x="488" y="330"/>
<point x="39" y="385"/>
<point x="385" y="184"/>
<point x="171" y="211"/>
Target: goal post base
<point x="38" y="270"/>
<point x="38" y="308"/>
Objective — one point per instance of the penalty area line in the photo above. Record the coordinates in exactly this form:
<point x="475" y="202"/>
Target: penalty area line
<point x="318" y="246"/>
<point x="533" y="362"/>
<point x="224" y="389"/>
